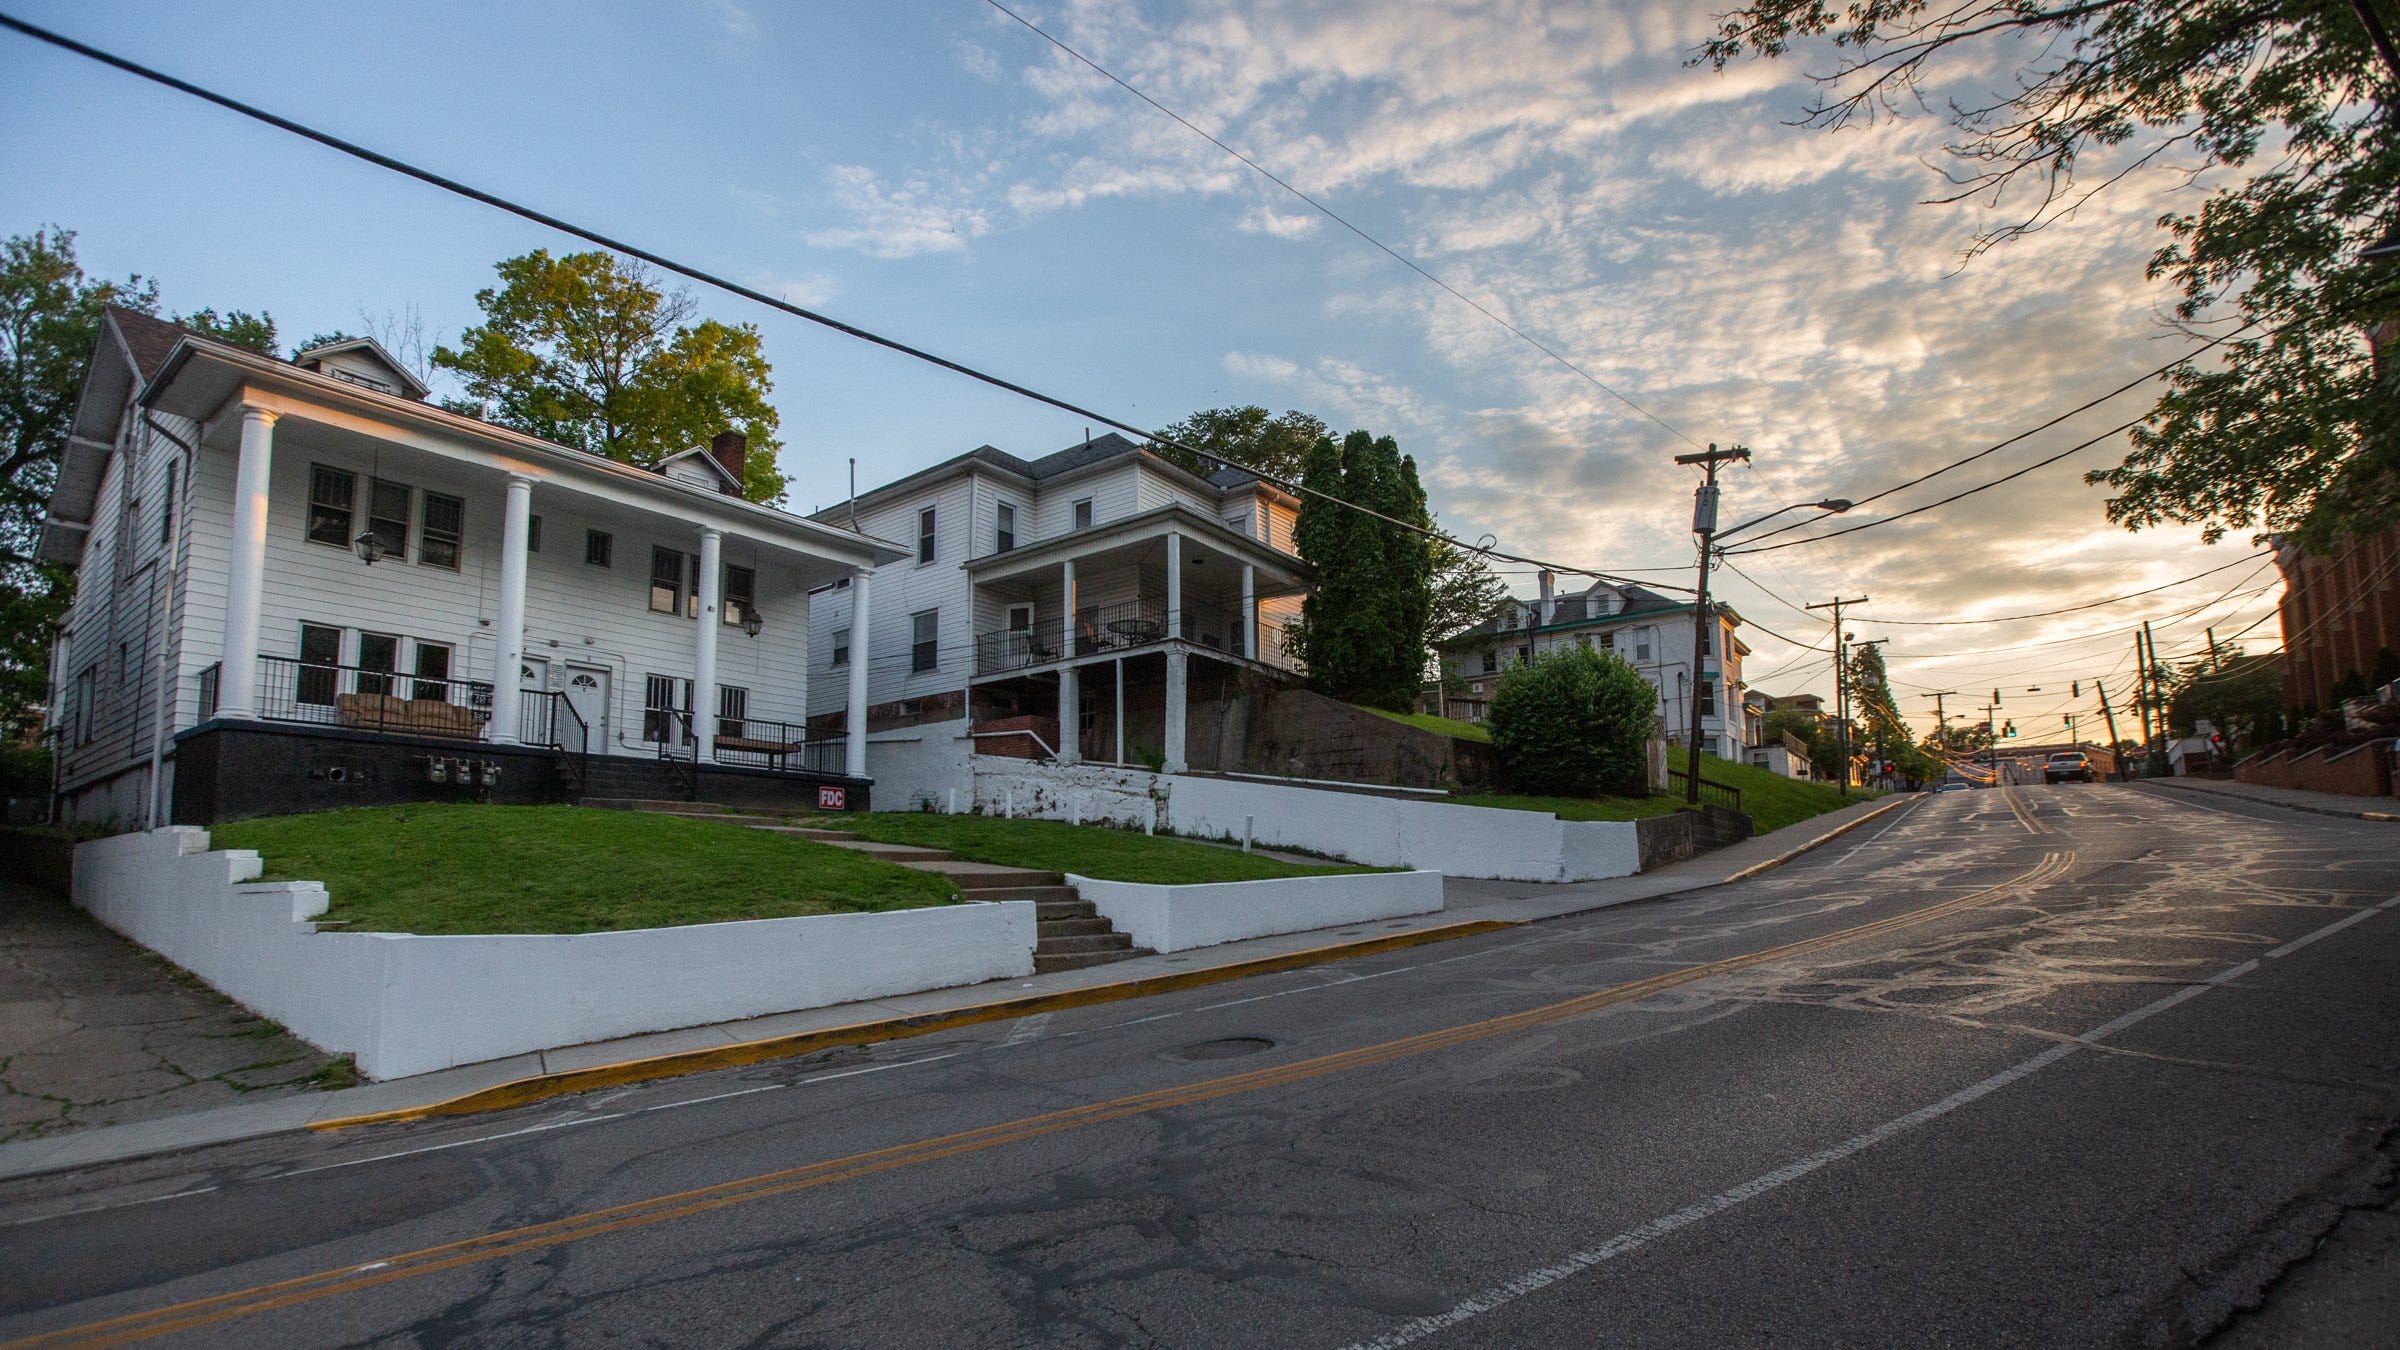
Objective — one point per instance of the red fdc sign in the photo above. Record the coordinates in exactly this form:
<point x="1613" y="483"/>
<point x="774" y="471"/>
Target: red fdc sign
<point x="833" y="799"/>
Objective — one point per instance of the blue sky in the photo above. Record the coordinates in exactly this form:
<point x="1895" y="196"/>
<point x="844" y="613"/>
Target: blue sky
<point x="936" y="172"/>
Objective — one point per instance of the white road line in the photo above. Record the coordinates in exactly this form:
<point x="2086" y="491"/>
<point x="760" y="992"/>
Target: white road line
<point x="716" y="1097"/>
<point x="455" y="1143"/>
<point x="1632" y="1239"/>
<point x="98" y="1209"/>
<point x="1027" y="1029"/>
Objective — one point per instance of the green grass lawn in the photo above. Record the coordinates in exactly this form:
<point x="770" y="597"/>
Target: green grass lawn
<point x="464" y="868"/>
<point x="1772" y="800"/>
<point x="1447" y="726"/>
<point x="1099" y="852"/>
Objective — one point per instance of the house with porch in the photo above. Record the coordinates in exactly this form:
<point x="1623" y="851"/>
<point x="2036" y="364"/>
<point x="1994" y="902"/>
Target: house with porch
<point x="300" y="584"/>
<point x="1071" y="607"/>
<point x="1647" y="629"/>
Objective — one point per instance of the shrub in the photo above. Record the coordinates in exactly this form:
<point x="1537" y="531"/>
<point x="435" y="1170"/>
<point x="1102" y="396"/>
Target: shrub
<point x="1573" y="724"/>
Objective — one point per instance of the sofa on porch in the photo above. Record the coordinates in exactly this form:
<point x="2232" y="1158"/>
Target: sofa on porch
<point x="422" y="716"/>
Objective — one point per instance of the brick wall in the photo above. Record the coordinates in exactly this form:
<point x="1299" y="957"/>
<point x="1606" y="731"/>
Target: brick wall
<point x="2356" y="770"/>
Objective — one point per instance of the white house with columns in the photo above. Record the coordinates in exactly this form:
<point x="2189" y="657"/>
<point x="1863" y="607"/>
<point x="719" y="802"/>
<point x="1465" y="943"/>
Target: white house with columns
<point x="309" y="542"/>
<point x="1071" y="607"/>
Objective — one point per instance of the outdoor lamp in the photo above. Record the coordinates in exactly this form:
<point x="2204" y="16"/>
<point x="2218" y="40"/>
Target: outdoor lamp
<point x="751" y="623"/>
<point x="370" y="548"/>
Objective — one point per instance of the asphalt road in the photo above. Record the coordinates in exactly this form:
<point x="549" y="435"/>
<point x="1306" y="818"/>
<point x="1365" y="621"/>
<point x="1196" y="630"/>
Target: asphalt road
<point x="2078" y="1065"/>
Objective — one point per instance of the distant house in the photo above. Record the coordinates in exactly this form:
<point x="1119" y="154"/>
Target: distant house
<point x="299" y="582"/>
<point x="1647" y="629"/>
<point x="1070" y="606"/>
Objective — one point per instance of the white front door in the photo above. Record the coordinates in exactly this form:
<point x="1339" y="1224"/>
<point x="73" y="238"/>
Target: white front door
<point x="587" y="694"/>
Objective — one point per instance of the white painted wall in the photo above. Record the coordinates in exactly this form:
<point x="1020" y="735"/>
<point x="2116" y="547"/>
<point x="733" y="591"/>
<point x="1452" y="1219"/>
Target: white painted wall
<point x="1362" y="827"/>
<point x="1178" y="918"/>
<point x="915" y="765"/>
<point x="407" y="1004"/>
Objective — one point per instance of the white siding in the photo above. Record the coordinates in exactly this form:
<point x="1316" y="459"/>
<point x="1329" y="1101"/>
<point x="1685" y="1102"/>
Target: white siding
<point x="905" y="588"/>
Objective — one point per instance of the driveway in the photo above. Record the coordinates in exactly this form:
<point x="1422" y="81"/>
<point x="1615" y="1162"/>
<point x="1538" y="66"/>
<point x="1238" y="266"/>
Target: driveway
<point x="96" y="1031"/>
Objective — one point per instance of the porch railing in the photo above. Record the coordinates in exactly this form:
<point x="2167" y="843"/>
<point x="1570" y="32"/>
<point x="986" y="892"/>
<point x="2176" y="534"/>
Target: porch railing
<point x="290" y="690"/>
<point x="757" y="743"/>
<point x="1105" y="629"/>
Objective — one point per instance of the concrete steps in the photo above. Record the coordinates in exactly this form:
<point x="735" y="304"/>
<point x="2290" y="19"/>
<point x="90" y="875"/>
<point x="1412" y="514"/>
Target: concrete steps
<point x="1070" y="933"/>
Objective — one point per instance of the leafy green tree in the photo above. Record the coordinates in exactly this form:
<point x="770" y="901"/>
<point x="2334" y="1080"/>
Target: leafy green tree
<point x="237" y="327"/>
<point x="1248" y="436"/>
<point x="1824" y="748"/>
<point x="2283" y="121"/>
<point x="1362" y="631"/>
<point x="1884" y="735"/>
<point x="2241" y="696"/>
<point x="1573" y="723"/>
<point x="1466" y="591"/>
<point x="589" y="351"/>
<point x="49" y="320"/>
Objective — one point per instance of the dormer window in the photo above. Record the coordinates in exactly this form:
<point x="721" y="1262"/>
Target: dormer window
<point x="354" y="377"/>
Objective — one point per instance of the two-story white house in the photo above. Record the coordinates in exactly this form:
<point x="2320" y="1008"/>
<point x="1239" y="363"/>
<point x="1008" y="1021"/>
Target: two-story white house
<point x="1647" y="629"/>
<point x="301" y="584"/>
<point x="1069" y="606"/>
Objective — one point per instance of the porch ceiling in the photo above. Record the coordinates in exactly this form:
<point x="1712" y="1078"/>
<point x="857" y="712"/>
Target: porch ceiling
<point x="1138" y="539"/>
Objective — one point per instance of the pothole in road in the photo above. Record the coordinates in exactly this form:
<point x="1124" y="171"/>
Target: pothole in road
<point x="1232" y="1047"/>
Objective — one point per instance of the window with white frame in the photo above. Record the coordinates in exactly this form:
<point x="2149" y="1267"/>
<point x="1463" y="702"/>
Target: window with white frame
<point x="672" y="574"/>
<point x="378" y="661"/>
<point x="433" y="672"/>
<point x="599" y="548"/>
<point x="841" y="647"/>
<point x="332" y="497"/>
<point x="1491" y="660"/>
<point x="166" y="513"/>
<point x="733" y="710"/>
<point x="320" y="664"/>
<point x="666" y="708"/>
<point x="83" y="716"/>
<point x="924" y="641"/>
<point x="445" y="524"/>
<point x="925" y="535"/>
<point x="1083" y="514"/>
<point x="1005" y="530"/>
<point x="387" y="517"/>
<point x="741" y="593"/>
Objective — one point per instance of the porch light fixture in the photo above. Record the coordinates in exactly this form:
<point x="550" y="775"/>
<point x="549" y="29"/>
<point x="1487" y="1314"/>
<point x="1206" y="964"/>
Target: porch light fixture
<point x="751" y="623"/>
<point x="370" y="548"/>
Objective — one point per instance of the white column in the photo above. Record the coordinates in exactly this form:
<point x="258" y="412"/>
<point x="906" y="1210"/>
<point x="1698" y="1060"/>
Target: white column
<point x="854" y="752"/>
<point x="1120" y="715"/>
<point x="704" y="657"/>
<point x="246" y="569"/>
<point x="1070" y="694"/>
<point x="516" y="532"/>
<point x="1177" y="681"/>
<point x="1250" y="612"/>
<point x="1174" y="585"/>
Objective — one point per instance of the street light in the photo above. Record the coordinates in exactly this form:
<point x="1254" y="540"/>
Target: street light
<point x="1704" y="524"/>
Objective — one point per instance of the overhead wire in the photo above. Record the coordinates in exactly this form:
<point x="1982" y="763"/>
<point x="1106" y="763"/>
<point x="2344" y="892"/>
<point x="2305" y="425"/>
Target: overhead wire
<point x="1337" y="218"/>
<point x="667" y="264"/>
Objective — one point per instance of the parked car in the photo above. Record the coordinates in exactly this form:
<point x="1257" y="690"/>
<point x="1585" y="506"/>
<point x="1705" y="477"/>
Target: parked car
<point x="2067" y="766"/>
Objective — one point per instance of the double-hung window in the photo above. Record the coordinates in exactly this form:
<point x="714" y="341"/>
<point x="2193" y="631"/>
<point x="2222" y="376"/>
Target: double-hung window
<point x="841" y="647"/>
<point x="445" y="523"/>
<point x="378" y="659"/>
<point x="1083" y="514"/>
<point x="733" y="710"/>
<point x="741" y="593"/>
<point x="925" y="535"/>
<point x="387" y="517"/>
<point x="1005" y="534"/>
<point x="433" y="673"/>
<point x="672" y="578"/>
<point x="84" y="716"/>
<point x="1491" y="660"/>
<point x="320" y="664"/>
<point x="924" y="641"/>
<point x="599" y="546"/>
<point x="332" y="509"/>
<point x="663" y="697"/>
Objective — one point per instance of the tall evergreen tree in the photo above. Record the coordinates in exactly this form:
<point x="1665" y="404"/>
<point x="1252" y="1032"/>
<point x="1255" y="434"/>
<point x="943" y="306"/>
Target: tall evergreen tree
<point x="1362" y="632"/>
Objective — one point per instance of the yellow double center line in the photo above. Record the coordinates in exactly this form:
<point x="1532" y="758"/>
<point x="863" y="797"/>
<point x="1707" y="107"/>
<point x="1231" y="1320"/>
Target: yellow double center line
<point x="685" y="1204"/>
<point x="2016" y="802"/>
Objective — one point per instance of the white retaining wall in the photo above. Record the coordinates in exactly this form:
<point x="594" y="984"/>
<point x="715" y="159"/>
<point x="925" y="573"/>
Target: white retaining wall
<point x="1177" y="918"/>
<point x="405" y="1003"/>
<point x="915" y="765"/>
<point x="1363" y="827"/>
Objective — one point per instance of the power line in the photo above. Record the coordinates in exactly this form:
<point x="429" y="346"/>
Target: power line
<point x="1330" y="214"/>
<point x="2071" y="609"/>
<point x="667" y="264"/>
<point x="1996" y="447"/>
<point x="1955" y="496"/>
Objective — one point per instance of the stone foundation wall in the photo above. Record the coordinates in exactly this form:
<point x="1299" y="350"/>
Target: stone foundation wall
<point x="1253" y="726"/>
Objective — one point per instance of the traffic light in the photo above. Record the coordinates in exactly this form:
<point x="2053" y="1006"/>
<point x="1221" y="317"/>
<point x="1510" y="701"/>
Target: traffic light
<point x="2008" y="728"/>
<point x="2075" y="687"/>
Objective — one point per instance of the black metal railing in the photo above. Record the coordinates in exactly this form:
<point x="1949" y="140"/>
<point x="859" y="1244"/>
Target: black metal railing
<point x="684" y="767"/>
<point x="1103" y="629"/>
<point x="1712" y="792"/>
<point x="758" y="743"/>
<point x="290" y="690"/>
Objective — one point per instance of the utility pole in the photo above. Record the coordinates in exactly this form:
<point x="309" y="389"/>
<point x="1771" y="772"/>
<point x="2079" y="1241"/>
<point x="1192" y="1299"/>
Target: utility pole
<point x="2152" y="750"/>
<point x="1841" y="686"/>
<point x="1993" y="713"/>
<point x="2114" y="757"/>
<point x="1704" y="524"/>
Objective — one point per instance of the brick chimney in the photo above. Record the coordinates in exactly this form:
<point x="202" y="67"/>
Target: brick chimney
<point x="731" y="449"/>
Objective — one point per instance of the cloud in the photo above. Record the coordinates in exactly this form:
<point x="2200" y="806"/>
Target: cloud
<point x="898" y="222"/>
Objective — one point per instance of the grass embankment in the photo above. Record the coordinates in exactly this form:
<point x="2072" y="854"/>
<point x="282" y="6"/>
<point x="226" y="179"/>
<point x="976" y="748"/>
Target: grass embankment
<point x="463" y="868"/>
<point x="1771" y="800"/>
<point x="1098" y="852"/>
<point x="1447" y="726"/>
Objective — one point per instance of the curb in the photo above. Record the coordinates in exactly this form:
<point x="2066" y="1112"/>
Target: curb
<point x="1899" y="799"/>
<point x="540" y="1087"/>
<point x="2387" y="817"/>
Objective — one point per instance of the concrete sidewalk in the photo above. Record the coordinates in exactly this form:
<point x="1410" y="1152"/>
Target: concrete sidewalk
<point x="1472" y="907"/>
<point x="2316" y="803"/>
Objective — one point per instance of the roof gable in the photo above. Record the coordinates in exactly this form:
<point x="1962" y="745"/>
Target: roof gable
<point x="362" y="360"/>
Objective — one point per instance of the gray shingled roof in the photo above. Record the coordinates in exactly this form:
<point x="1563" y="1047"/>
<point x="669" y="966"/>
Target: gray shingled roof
<point x="1567" y="609"/>
<point x="150" y="338"/>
